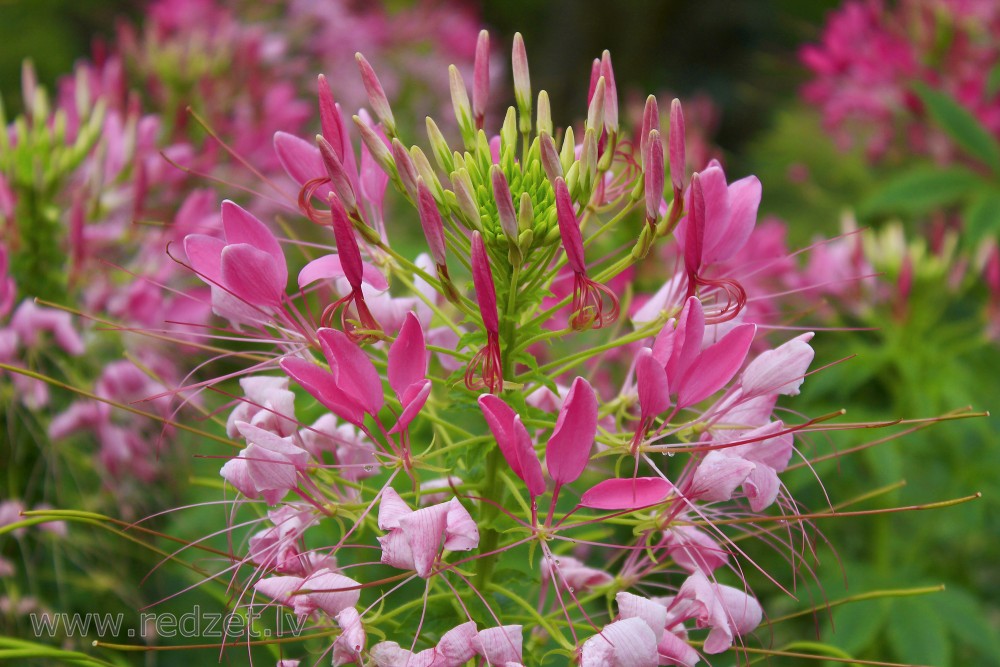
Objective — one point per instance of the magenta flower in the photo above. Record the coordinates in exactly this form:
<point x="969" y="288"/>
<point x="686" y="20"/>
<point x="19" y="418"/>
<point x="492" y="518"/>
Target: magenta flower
<point x="246" y="269"/>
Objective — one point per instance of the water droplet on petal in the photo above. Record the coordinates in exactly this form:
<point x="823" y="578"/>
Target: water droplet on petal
<point x="369" y="468"/>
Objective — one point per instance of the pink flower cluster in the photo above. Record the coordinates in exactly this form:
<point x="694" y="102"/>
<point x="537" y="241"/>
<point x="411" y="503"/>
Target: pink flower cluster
<point x="871" y="54"/>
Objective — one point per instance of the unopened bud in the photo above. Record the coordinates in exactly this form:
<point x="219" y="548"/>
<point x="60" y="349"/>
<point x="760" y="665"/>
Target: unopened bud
<point x="525" y="213"/>
<point x="567" y="156"/>
<point x="549" y="157"/>
<point x="595" y="112"/>
<point x="650" y="122"/>
<point x="505" y="203"/>
<point x="376" y="95"/>
<point x="677" y="158"/>
<point x="376" y="147"/>
<point x="654" y="178"/>
<point x="522" y="82"/>
<point x="610" y="95"/>
<point x="404" y="167"/>
<point x="463" y="111"/>
<point x="439" y="146"/>
<point x="426" y="172"/>
<point x="543" y="122"/>
<point x="466" y="199"/>
<point x="339" y="180"/>
<point x="481" y="79"/>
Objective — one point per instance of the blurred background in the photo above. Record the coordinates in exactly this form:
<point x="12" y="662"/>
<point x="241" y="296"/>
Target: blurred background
<point x="920" y="340"/>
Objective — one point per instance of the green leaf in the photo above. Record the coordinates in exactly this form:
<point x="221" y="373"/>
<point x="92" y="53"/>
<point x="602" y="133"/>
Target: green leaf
<point x="982" y="218"/>
<point x="961" y="126"/>
<point x="921" y="189"/>
<point x="917" y="634"/>
<point x="966" y="618"/>
<point x="858" y="624"/>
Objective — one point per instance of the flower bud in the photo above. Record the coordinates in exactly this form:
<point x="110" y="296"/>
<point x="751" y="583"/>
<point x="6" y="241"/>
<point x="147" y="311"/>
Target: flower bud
<point x="567" y="156"/>
<point x="439" y="146"/>
<point x="677" y="160"/>
<point x="339" y="180"/>
<point x="379" y="151"/>
<point x="430" y="220"/>
<point x="376" y="95"/>
<point x="595" y="112"/>
<point x="463" y="111"/>
<point x="654" y="178"/>
<point x="525" y="213"/>
<point x="505" y="203"/>
<point x="481" y="79"/>
<point x="464" y="194"/>
<point x="610" y="95"/>
<point x="543" y="120"/>
<point x="549" y="157"/>
<point x="650" y="122"/>
<point x="404" y="167"/>
<point x="426" y="172"/>
<point x="522" y="82"/>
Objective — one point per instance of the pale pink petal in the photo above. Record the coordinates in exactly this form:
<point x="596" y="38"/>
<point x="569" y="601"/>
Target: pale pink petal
<point x="626" y="493"/>
<point x="391" y="509"/>
<point x="718" y="475"/>
<point x="280" y="589"/>
<point x="461" y="532"/>
<point x="302" y="161"/>
<point x="457" y="646"/>
<point x="500" y="645"/>
<point x="396" y="550"/>
<point x="331" y="592"/>
<point x="423" y="530"/>
<point x="673" y="650"/>
<point x="761" y="487"/>
<point x="694" y="550"/>
<point x="732" y="232"/>
<point x="241" y="226"/>
<point x="204" y="253"/>
<point x="574" y="574"/>
<point x="778" y="371"/>
<point x="629" y="642"/>
<point x="651" y="613"/>
<point x="347" y="647"/>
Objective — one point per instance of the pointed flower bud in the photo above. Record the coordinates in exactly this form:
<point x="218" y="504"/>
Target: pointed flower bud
<point x="522" y="82"/>
<point x="481" y="79"/>
<point x="508" y="131"/>
<point x="376" y="95"/>
<point x="404" y="167"/>
<point x="339" y="180"/>
<point x="505" y="203"/>
<point x="485" y="370"/>
<point x="544" y="114"/>
<point x="650" y="122"/>
<point x="595" y="74"/>
<point x="610" y="95"/>
<point x="425" y="171"/>
<point x="467" y="206"/>
<point x="567" y="153"/>
<point x="677" y="158"/>
<point x="595" y="112"/>
<point x="463" y="110"/>
<point x="550" y="157"/>
<point x="588" y="296"/>
<point x="376" y="147"/>
<point x="430" y="220"/>
<point x="654" y="178"/>
<point x="525" y="213"/>
<point x="439" y="146"/>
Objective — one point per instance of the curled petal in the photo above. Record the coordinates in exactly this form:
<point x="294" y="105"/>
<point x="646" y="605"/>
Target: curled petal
<point x="629" y="642"/>
<point x="514" y="442"/>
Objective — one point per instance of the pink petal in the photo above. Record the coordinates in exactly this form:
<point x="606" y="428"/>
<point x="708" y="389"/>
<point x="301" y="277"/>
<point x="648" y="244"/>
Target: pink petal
<point x="673" y="650"/>
<point x="347" y="244"/>
<point x="677" y="159"/>
<point x="396" y="550"/>
<point x="482" y="279"/>
<point x="407" y="356"/>
<point x="500" y="645"/>
<point x="302" y="161"/>
<point x="461" y="531"/>
<point x="347" y="647"/>
<point x="733" y="232"/>
<point x="778" y="371"/>
<point x="430" y="221"/>
<point x="514" y="442"/>
<point x="278" y="444"/>
<point x="423" y="531"/>
<point x="761" y="487"/>
<point x="626" y="493"/>
<point x="412" y="400"/>
<point x="716" y="366"/>
<point x="694" y="226"/>
<point x="252" y="275"/>
<point x="651" y="613"/>
<point x="457" y="646"/>
<point x="574" y="574"/>
<point x="204" y="253"/>
<point x="391" y="509"/>
<point x="626" y="643"/>
<point x="568" y="450"/>
<point x="718" y="475"/>
<point x="356" y="374"/>
<point x="743" y="611"/>
<point x="332" y="592"/>
<point x="241" y="226"/>
<point x="651" y="380"/>
<point x="323" y="386"/>
<point x="694" y="550"/>
<point x="269" y="470"/>
<point x="329" y="266"/>
<point x="280" y="589"/>
<point x="569" y="228"/>
<point x="688" y="338"/>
